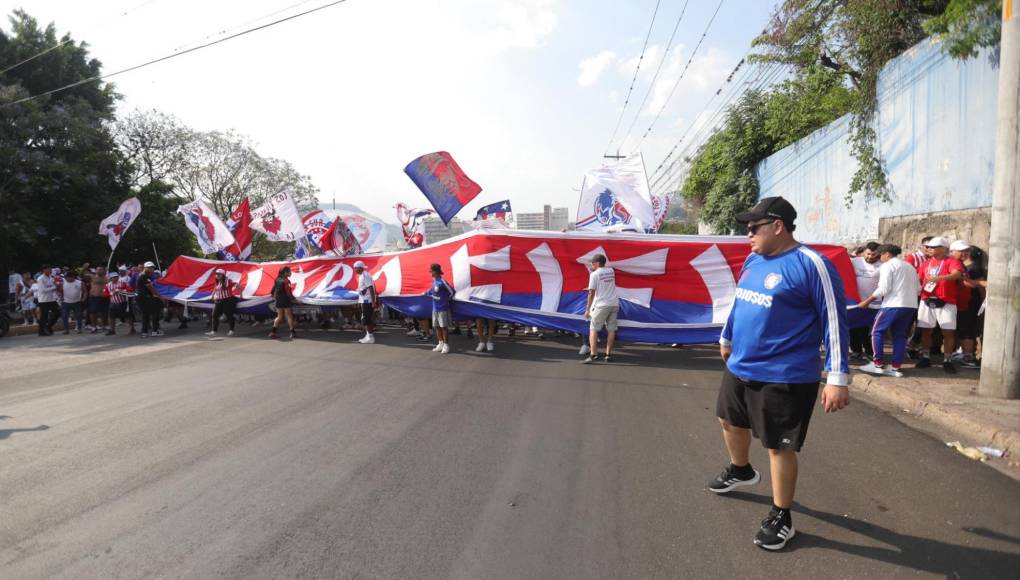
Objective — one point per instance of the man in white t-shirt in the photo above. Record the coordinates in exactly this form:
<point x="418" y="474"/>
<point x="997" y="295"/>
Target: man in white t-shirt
<point x="898" y="288"/>
<point x="866" y="268"/>
<point x="603" y="306"/>
<point x="46" y="297"/>
<point x="72" y="293"/>
<point x="13" y="279"/>
<point x="369" y="301"/>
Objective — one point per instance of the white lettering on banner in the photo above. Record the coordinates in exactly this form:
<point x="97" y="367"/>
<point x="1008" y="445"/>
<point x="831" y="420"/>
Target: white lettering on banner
<point x="298" y="279"/>
<point x="549" y="275"/>
<point x="188" y="292"/>
<point x="718" y="278"/>
<point x="329" y="283"/>
<point x="252" y="284"/>
<point x="753" y="297"/>
<point x="394" y="277"/>
<point x="461" y="262"/>
<point x="651" y="264"/>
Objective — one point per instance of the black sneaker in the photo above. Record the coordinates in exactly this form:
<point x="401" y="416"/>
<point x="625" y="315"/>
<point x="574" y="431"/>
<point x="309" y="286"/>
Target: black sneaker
<point x="949" y="367"/>
<point x="924" y="363"/>
<point x="729" y="479"/>
<point x="776" y="530"/>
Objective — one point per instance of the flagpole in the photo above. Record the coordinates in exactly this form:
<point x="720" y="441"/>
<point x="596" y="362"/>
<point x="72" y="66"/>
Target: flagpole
<point x="155" y="252"/>
<point x="110" y="259"/>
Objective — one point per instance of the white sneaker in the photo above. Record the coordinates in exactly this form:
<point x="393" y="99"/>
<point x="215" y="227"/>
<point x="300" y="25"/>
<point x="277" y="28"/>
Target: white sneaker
<point x="230" y="333"/>
<point x="871" y="368"/>
<point x="481" y="347"/>
<point x="438" y="348"/>
<point x="413" y="332"/>
<point x="446" y="349"/>
<point x="889" y="371"/>
<point x="211" y="333"/>
<point x="584" y="350"/>
<point x="367" y="339"/>
<point x="489" y="347"/>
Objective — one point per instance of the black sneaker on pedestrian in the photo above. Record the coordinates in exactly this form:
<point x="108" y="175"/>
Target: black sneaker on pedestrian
<point x="776" y="530"/>
<point x="949" y="367"/>
<point x="732" y="478"/>
<point x="923" y="363"/>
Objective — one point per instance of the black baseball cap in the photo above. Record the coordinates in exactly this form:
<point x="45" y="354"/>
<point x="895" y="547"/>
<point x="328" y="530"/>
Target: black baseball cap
<point x="769" y="207"/>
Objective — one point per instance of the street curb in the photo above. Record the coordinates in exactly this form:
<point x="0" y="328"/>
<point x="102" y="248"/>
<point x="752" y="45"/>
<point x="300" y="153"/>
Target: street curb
<point x="20" y="330"/>
<point x="970" y="427"/>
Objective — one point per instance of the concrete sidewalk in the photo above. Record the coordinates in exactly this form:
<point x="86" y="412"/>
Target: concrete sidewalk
<point x="948" y="405"/>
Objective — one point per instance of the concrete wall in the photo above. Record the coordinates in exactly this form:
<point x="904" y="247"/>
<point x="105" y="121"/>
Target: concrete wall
<point x="936" y="131"/>
<point x="971" y="225"/>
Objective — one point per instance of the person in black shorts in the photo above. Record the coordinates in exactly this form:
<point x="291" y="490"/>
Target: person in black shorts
<point x="283" y="295"/>
<point x="788" y="302"/>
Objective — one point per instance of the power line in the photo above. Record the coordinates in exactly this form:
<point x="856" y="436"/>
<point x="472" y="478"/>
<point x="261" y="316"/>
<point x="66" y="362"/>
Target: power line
<point x="633" y="80"/>
<point x="684" y="72"/>
<point x="662" y="61"/>
<point x="70" y="40"/>
<point x="174" y="55"/>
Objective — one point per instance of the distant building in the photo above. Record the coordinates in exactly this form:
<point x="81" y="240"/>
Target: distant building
<point x="557" y="219"/>
<point x="437" y="231"/>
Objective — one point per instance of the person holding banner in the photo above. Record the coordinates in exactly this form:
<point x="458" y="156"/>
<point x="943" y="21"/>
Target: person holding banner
<point x="441" y="293"/>
<point x="117" y="291"/>
<point x="603" y="307"/>
<point x="149" y="301"/>
<point x="225" y="302"/>
<point x="283" y="294"/>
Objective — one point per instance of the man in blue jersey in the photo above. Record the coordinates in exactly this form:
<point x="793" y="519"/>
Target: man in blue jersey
<point x="788" y="302"/>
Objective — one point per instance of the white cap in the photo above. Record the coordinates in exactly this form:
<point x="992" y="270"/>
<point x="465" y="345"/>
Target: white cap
<point x="149" y="265"/>
<point x="937" y="241"/>
<point x="959" y="246"/>
<point x="115" y="274"/>
<point x="359" y="264"/>
<point x="220" y="271"/>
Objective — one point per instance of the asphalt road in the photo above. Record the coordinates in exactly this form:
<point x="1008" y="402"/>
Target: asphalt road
<point x="318" y="458"/>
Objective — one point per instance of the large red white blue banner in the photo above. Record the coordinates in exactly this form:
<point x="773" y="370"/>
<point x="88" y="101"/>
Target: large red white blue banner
<point x="672" y="288"/>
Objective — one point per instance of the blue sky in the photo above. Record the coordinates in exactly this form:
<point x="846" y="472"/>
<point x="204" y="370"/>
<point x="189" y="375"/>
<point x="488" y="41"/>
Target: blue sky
<point x="351" y="94"/>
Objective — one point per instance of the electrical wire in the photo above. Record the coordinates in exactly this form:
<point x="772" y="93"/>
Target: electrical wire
<point x="662" y="61"/>
<point x="682" y="74"/>
<point x="173" y="55"/>
<point x="633" y="80"/>
<point x="69" y="40"/>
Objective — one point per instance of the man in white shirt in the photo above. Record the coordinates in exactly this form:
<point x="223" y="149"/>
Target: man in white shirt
<point x="866" y="271"/>
<point x="46" y="297"/>
<point x="72" y="291"/>
<point x="603" y="306"/>
<point x="369" y="301"/>
<point x="13" y="279"/>
<point x="898" y="289"/>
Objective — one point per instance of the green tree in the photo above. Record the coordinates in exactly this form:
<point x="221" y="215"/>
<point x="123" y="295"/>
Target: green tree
<point x="967" y="26"/>
<point x="60" y="172"/>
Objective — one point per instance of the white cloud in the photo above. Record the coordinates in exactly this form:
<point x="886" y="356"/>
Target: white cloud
<point x="707" y="71"/>
<point x="648" y="63"/>
<point x="525" y="23"/>
<point x="592" y="68"/>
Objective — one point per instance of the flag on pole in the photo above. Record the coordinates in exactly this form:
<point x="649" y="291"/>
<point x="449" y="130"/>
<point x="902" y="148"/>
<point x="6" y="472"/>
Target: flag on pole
<point x="239" y="225"/>
<point x="213" y="235"/>
<point x="660" y="205"/>
<point x="339" y="240"/>
<point x="443" y="182"/>
<point x="316" y="225"/>
<point x="279" y="219"/>
<point x="412" y="224"/>
<point x="498" y="211"/>
<point x="616" y="197"/>
<point x="114" y="226"/>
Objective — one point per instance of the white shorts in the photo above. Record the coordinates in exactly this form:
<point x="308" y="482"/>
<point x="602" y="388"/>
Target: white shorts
<point x="945" y="316"/>
<point x="604" y="317"/>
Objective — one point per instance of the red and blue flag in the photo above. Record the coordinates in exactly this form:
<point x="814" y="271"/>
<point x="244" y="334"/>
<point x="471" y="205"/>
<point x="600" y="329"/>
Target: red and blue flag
<point x="443" y="182"/>
<point x="498" y="211"/>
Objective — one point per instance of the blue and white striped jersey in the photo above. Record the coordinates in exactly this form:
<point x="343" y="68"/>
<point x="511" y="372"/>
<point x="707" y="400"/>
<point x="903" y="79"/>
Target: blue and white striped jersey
<point x="785" y="307"/>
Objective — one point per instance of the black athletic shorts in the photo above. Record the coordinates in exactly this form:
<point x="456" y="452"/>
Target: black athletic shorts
<point x="366" y="313"/>
<point x="776" y="413"/>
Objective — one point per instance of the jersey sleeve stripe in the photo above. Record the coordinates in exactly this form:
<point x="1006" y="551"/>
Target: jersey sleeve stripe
<point x="835" y="347"/>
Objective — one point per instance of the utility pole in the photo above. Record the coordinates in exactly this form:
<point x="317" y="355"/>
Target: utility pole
<point x="1000" y="361"/>
<point x="616" y="157"/>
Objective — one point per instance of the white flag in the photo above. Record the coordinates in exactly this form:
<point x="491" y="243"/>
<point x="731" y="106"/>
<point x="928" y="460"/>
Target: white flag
<point x="617" y="197"/>
<point x="279" y="219"/>
<point x="213" y="235"/>
<point x="114" y="226"/>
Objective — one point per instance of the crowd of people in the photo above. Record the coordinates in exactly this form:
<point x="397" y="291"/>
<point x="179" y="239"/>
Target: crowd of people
<point x="929" y="300"/>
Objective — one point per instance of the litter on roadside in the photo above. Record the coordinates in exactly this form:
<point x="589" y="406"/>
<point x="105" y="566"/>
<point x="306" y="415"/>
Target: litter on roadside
<point x="991" y="451"/>
<point x="971" y="452"/>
